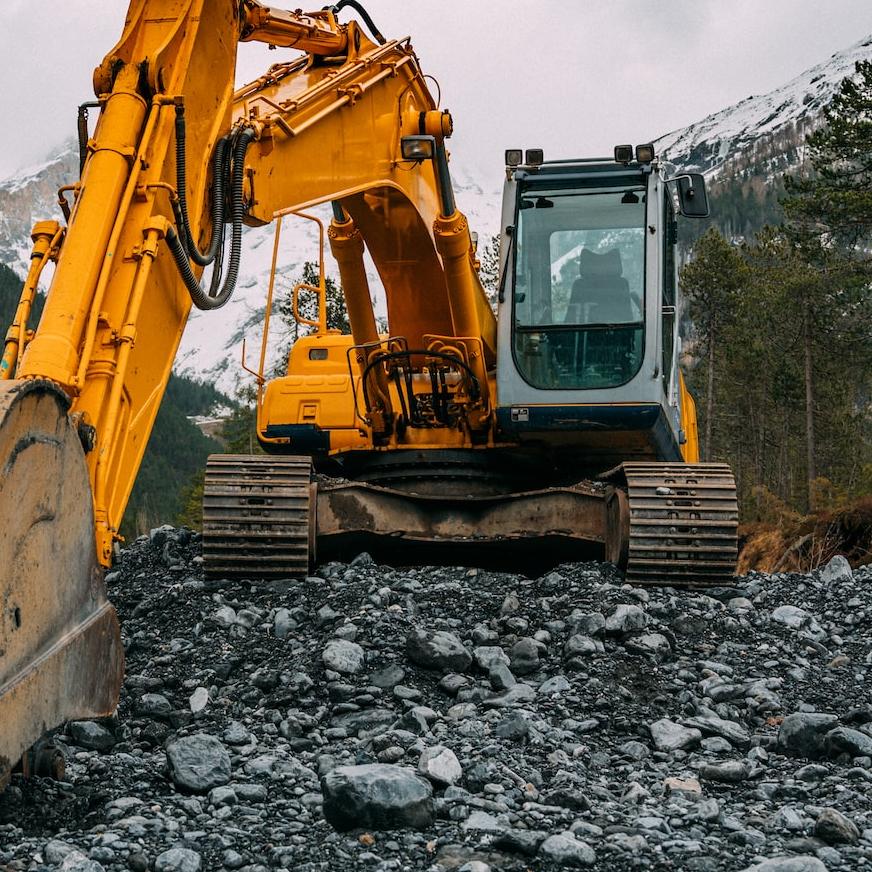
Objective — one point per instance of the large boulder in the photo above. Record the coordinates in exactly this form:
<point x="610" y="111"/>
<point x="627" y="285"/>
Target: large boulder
<point x="343" y="656"/>
<point x="843" y="740"/>
<point x="565" y="850"/>
<point x="802" y="733"/>
<point x="669" y="736"/>
<point x="437" y="650"/>
<point x="376" y="796"/>
<point x="198" y="763"/>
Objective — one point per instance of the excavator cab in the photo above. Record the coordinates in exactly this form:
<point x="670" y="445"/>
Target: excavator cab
<point x="588" y="335"/>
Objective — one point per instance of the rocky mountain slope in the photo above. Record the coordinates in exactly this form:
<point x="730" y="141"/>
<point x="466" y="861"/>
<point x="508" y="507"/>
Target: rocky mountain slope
<point x="439" y="719"/>
<point x="740" y="133"/>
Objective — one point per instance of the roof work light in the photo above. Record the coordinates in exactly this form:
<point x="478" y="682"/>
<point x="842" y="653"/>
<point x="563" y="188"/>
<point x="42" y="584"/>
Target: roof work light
<point x="514" y="157"/>
<point x="417" y="148"/>
<point x="645" y="153"/>
<point x="623" y="154"/>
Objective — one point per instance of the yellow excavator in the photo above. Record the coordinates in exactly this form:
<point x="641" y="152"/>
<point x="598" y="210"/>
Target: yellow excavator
<point x="561" y="427"/>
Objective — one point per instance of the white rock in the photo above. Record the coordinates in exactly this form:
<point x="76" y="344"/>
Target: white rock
<point x="791" y="616"/>
<point x="198" y="700"/>
<point x="343" y="656"/>
<point x="798" y="863"/>
<point x="487" y="654"/>
<point x="226" y="616"/>
<point x="440" y="764"/>
<point x="565" y="850"/>
<point x="837" y="570"/>
<point x="669" y="736"/>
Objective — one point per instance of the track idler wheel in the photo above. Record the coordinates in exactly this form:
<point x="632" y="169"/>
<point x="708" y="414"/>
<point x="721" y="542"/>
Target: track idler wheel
<point x="60" y="647"/>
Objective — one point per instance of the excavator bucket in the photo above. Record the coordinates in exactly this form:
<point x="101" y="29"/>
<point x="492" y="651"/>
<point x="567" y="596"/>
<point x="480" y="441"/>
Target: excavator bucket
<point x="60" y="646"/>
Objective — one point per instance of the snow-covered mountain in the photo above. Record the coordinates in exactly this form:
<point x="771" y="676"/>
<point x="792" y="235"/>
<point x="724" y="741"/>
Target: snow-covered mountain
<point x="734" y="135"/>
<point x="761" y="135"/>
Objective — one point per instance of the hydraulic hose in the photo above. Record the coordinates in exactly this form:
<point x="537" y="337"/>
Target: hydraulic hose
<point x="214" y="299"/>
<point x="180" y="208"/>
<point x="364" y="15"/>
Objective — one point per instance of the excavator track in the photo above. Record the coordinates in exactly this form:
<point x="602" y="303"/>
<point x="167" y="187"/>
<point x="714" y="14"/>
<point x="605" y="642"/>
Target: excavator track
<point x="258" y="516"/>
<point x="682" y="522"/>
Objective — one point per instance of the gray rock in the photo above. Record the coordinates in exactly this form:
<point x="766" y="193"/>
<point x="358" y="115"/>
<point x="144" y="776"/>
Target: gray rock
<point x="836" y="571"/>
<point x="649" y="643"/>
<point x="519" y="694"/>
<point x="483" y="822"/>
<point x="710" y="725"/>
<point x="593" y="624"/>
<point x="236" y="734"/>
<point x="835" y="829"/>
<point x="76" y="861"/>
<point x="729" y="772"/>
<point x="283" y="623"/>
<point x="802" y="863"/>
<point x="485" y="655"/>
<point x="626" y="618"/>
<point x="154" y="705"/>
<point x="225" y="616"/>
<point x="56" y="851"/>
<point x="555" y="684"/>
<point x="524" y="842"/>
<point x="524" y="656"/>
<point x="87" y="734"/>
<point x="669" y="736"/>
<point x="843" y="740"/>
<point x="802" y="733"/>
<point x="791" y="616"/>
<point x="343" y="656"/>
<point x="500" y="676"/>
<point x="223" y="795"/>
<point x="388" y="676"/>
<point x="513" y="727"/>
<point x="634" y="750"/>
<point x="178" y="860"/>
<point x="440" y="765"/>
<point x="565" y="850"/>
<point x="438" y="650"/>
<point x="198" y="763"/>
<point x="579" y="645"/>
<point x="376" y="795"/>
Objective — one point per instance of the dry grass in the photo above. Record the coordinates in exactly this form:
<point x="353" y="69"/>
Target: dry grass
<point x="791" y="543"/>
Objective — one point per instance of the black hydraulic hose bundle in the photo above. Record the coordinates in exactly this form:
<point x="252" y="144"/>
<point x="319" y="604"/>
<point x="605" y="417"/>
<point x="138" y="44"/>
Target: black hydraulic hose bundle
<point x="181" y="243"/>
<point x="180" y="206"/>
<point x="338" y="7"/>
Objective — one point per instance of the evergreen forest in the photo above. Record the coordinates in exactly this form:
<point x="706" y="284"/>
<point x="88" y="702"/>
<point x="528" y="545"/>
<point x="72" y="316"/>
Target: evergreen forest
<point x="779" y="346"/>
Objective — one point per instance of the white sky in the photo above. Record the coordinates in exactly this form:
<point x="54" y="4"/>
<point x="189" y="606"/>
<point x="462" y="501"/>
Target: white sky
<point x="572" y="76"/>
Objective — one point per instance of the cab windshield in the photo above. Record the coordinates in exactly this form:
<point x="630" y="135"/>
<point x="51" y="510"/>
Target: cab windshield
<point x="579" y="287"/>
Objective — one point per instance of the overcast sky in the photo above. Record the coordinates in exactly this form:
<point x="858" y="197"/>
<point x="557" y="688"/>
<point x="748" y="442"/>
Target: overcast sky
<point x="572" y="76"/>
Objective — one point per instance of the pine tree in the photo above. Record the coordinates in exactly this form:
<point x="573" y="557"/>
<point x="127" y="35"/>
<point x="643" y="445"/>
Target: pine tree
<point x="835" y="201"/>
<point x="712" y="283"/>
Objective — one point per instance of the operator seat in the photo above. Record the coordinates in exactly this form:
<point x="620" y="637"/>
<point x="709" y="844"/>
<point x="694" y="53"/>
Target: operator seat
<point x="600" y="294"/>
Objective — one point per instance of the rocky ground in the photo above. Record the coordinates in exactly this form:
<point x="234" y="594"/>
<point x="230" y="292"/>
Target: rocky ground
<point x="445" y="718"/>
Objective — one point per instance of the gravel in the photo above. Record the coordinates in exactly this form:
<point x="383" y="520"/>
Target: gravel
<point x="447" y="718"/>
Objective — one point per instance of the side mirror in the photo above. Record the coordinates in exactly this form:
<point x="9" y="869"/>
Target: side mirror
<point x="692" y="198"/>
